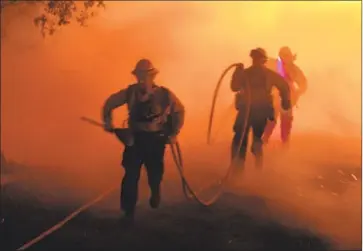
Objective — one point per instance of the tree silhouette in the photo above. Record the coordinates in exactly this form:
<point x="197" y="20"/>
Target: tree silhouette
<point x="55" y="14"/>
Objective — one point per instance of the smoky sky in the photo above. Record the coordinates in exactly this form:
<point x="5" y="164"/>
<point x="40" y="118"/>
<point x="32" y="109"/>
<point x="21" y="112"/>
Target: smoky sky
<point x="47" y="84"/>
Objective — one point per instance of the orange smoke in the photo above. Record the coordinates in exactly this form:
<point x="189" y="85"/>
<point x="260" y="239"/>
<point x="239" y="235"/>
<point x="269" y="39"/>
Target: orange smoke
<point x="48" y="84"/>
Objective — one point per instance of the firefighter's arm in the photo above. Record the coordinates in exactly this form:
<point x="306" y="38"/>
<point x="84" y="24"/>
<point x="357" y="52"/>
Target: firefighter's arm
<point x="301" y="81"/>
<point x="114" y="101"/>
<point x="238" y="79"/>
<point x="284" y="90"/>
<point x="177" y="113"/>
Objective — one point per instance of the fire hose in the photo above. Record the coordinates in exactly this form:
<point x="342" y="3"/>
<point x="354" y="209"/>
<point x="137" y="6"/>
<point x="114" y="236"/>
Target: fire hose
<point x="188" y="192"/>
<point x="177" y="153"/>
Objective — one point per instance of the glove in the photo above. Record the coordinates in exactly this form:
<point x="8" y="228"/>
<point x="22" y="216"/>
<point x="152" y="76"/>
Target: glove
<point x="108" y="127"/>
<point x="172" y="139"/>
<point x="240" y="66"/>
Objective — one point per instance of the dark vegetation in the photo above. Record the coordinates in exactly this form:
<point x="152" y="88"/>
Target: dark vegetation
<point x="51" y="15"/>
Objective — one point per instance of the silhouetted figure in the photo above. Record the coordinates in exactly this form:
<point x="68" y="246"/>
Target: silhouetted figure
<point x="156" y="116"/>
<point x="285" y="66"/>
<point x="254" y="103"/>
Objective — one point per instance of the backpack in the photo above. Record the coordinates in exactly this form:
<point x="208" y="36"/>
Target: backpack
<point x="165" y="116"/>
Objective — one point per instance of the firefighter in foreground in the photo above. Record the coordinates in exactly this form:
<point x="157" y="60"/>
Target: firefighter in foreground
<point x="155" y="118"/>
<point x="254" y="104"/>
<point x="285" y="66"/>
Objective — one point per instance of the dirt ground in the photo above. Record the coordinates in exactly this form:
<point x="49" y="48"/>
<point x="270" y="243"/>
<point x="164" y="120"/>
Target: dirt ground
<point x="306" y="198"/>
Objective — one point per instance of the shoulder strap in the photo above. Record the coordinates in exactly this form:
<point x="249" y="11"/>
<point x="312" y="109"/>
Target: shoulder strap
<point x="129" y="92"/>
<point x="166" y="93"/>
<point x="166" y="102"/>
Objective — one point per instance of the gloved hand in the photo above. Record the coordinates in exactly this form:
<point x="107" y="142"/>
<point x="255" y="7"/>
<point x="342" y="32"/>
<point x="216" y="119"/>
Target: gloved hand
<point x="172" y="139"/>
<point x="240" y="66"/>
<point x="108" y="127"/>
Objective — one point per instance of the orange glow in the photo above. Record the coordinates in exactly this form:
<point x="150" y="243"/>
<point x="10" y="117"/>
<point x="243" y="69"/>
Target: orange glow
<point x="48" y="84"/>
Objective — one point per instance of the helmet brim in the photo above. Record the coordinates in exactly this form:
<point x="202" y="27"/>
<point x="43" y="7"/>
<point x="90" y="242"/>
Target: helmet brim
<point x="152" y="71"/>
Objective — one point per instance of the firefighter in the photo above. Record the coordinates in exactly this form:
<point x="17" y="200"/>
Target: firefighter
<point x="156" y="117"/>
<point x="254" y="104"/>
<point x="286" y="67"/>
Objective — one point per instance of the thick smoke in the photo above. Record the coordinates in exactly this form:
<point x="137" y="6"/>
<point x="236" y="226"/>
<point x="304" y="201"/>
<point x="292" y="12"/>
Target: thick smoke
<point x="47" y="84"/>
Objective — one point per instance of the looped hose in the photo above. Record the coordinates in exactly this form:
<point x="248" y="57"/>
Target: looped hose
<point x="177" y="153"/>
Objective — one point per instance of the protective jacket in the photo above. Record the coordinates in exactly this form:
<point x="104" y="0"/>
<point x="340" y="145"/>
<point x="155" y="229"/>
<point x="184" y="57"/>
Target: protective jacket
<point x="161" y="111"/>
<point x="292" y="74"/>
<point x="258" y="81"/>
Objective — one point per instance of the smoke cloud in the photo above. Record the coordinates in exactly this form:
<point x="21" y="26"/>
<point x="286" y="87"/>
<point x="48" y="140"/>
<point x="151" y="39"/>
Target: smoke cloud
<point x="48" y="84"/>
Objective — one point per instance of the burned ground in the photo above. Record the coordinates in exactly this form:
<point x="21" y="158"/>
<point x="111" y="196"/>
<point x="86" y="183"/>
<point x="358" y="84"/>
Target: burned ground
<point x="272" y="209"/>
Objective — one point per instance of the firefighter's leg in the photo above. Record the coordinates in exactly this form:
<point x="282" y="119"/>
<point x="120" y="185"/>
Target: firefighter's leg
<point x="131" y="162"/>
<point x="154" y="162"/>
<point x="273" y="115"/>
<point x="258" y="127"/>
<point x="239" y="144"/>
<point x="239" y="155"/>
<point x="286" y="126"/>
<point x="270" y="125"/>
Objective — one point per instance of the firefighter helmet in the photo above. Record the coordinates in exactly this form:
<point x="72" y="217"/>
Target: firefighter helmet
<point x="258" y="53"/>
<point x="286" y="54"/>
<point x="144" y="66"/>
